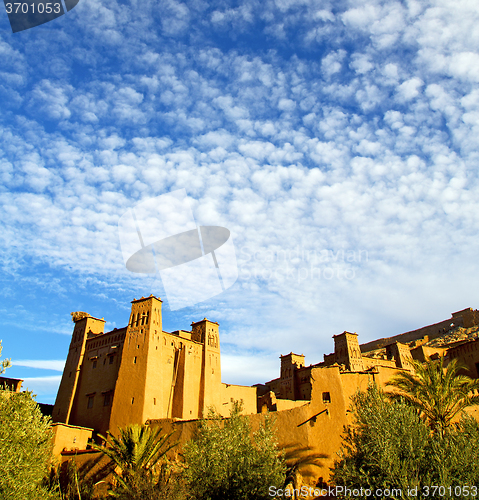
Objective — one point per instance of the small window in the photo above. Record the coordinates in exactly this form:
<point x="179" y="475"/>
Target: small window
<point x="326" y="397"/>
<point x="90" y="402"/>
<point x="111" y="360"/>
<point x="107" y="399"/>
<point x="134" y="360"/>
<point x="154" y="401"/>
<point x="132" y="400"/>
<point x="70" y="374"/>
<point x="94" y="363"/>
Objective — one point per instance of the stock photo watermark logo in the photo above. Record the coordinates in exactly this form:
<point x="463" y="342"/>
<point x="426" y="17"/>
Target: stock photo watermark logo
<point x="29" y="14"/>
<point x="300" y="264"/>
<point x="195" y="263"/>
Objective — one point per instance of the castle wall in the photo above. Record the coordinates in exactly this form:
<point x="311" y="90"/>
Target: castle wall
<point x="85" y="327"/>
<point x="186" y="401"/>
<point x="70" y="438"/>
<point x="466" y="318"/>
<point x="468" y="354"/>
<point x="373" y="362"/>
<point x="422" y="352"/>
<point x="97" y="379"/>
<point x="230" y="393"/>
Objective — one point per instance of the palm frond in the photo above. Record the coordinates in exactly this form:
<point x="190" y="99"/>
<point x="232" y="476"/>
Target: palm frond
<point x="437" y="391"/>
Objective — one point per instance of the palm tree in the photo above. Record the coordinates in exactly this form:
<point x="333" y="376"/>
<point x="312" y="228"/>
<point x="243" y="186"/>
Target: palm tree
<point x="438" y="392"/>
<point x="299" y="462"/>
<point x="135" y="452"/>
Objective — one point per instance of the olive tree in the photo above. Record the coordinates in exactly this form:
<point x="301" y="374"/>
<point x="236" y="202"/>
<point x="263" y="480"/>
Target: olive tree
<point x="227" y="461"/>
<point x="25" y="447"/>
<point x="392" y="447"/>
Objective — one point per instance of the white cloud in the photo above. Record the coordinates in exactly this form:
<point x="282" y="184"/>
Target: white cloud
<point x="332" y="63"/>
<point x="351" y="131"/>
<point x="361" y="63"/>
<point x="410" y="89"/>
<point x="56" y="365"/>
<point x="42" y="386"/>
<point x="51" y="100"/>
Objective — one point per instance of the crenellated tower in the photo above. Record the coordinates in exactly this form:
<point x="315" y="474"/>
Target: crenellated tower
<point x="136" y="389"/>
<point x="86" y="327"/>
<point x="207" y="333"/>
<point x="290" y="363"/>
<point x="348" y="352"/>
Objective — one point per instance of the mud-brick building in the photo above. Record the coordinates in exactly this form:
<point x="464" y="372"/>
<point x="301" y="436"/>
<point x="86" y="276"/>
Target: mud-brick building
<point x="295" y="383"/>
<point x="140" y="372"/>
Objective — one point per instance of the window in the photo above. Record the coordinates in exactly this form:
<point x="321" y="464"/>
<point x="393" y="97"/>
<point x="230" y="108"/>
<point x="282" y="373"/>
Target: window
<point x="326" y="397"/>
<point x="111" y="360"/>
<point x="94" y="363"/>
<point x="154" y="401"/>
<point x="90" y="402"/>
<point x="134" y="360"/>
<point x="107" y="399"/>
<point x="132" y="400"/>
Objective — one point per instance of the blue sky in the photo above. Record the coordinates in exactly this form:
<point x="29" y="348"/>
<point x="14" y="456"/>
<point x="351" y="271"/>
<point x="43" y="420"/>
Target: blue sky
<point x="337" y="141"/>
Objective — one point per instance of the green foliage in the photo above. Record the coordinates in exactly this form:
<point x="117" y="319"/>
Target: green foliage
<point x="6" y="363"/>
<point x="226" y="461"/>
<point x="392" y="447"/>
<point x="137" y="453"/>
<point x="25" y="447"/>
<point x="438" y="392"/>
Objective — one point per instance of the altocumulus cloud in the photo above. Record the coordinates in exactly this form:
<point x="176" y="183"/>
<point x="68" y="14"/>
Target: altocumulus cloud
<point x="336" y="142"/>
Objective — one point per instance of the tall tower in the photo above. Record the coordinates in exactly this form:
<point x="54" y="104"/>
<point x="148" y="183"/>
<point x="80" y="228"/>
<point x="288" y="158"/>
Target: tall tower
<point x="207" y="333"/>
<point x="136" y="388"/>
<point x="347" y="351"/>
<point x="86" y="327"/>
<point x="401" y="355"/>
<point x="289" y="364"/>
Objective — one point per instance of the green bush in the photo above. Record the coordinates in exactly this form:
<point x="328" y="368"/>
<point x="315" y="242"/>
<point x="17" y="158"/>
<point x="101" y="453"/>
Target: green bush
<point x="25" y="447"/>
<point x="392" y="447"/>
<point x="226" y="461"/>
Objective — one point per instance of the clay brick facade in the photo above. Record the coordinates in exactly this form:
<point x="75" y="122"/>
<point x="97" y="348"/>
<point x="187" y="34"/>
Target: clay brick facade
<point x="140" y="372"/>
